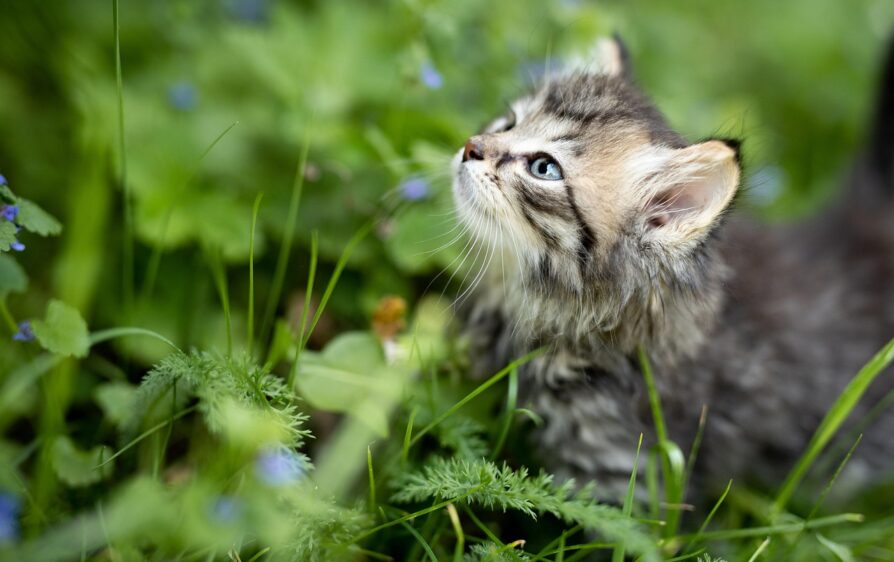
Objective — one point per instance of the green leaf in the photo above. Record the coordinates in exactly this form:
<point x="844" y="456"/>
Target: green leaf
<point x="63" y="331"/>
<point x="6" y="195"/>
<point x="79" y="468"/>
<point x="34" y="219"/>
<point x="7" y="235"/>
<point x="12" y="277"/>
<point x="116" y="399"/>
<point x="351" y="376"/>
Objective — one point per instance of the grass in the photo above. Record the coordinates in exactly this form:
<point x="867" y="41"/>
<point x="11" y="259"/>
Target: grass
<point x="195" y="431"/>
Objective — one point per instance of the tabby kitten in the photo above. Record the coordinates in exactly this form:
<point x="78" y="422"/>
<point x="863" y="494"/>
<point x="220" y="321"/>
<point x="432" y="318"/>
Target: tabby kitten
<point x="612" y="233"/>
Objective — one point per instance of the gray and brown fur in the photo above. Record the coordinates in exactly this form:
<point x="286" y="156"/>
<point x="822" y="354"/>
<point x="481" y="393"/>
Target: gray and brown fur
<point x="636" y="246"/>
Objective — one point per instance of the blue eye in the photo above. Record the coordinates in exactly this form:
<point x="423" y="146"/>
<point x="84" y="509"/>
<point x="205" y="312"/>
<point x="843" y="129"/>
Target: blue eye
<point x="545" y="168"/>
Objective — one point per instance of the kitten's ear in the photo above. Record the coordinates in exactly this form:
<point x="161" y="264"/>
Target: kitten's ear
<point x="692" y="190"/>
<point x="608" y="56"/>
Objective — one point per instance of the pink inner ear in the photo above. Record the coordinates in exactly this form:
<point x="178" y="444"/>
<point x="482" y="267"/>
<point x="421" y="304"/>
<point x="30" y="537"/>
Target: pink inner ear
<point x="680" y="201"/>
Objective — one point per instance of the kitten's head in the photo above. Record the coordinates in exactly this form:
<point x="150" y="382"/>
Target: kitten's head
<point x="584" y="182"/>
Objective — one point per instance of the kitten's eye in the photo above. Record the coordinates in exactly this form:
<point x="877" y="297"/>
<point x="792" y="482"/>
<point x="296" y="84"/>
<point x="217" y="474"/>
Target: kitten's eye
<point x="545" y="168"/>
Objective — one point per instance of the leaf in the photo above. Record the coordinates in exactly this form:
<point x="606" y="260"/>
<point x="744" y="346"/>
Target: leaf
<point x="79" y="468"/>
<point x="116" y="399"/>
<point x="34" y="219"/>
<point x="63" y="331"/>
<point x="7" y="235"/>
<point x="351" y="376"/>
<point x="6" y="195"/>
<point x="12" y="277"/>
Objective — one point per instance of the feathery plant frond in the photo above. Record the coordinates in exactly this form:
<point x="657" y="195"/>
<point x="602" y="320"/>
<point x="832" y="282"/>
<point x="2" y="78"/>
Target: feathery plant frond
<point x="216" y="381"/>
<point x="485" y="483"/>
<point x="490" y="552"/>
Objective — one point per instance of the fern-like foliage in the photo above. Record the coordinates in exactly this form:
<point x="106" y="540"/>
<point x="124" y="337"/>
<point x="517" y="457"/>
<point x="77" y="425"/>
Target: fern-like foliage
<point x="490" y="552"/>
<point x="323" y="531"/>
<point x="708" y="558"/>
<point x="216" y="380"/>
<point x="499" y="487"/>
<point x="464" y="436"/>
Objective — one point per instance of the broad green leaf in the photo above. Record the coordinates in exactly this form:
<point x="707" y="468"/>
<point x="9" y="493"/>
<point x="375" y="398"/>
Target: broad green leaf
<point x="351" y="376"/>
<point x="34" y="219"/>
<point x="7" y="235"/>
<point x="12" y="277"/>
<point x="63" y="331"/>
<point x="6" y="194"/>
<point x="80" y="468"/>
<point x="116" y="400"/>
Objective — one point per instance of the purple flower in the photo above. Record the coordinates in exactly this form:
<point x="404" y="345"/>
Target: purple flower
<point x="226" y="509"/>
<point x="24" y="334"/>
<point x="9" y="212"/>
<point x="2" y="179"/>
<point x="10" y="506"/>
<point x="277" y="466"/>
<point x="430" y="76"/>
<point x="183" y="96"/>
<point x="17" y="246"/>
<point x="414" y="189"/>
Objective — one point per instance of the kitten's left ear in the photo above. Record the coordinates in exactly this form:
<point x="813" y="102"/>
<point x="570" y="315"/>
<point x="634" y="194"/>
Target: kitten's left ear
<point x="607" y="56"/>
<point x="610" y="56"/>
<point x="693" y="188"/>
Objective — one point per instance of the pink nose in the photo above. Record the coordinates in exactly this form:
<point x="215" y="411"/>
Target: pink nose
<point x="473" y="150"/>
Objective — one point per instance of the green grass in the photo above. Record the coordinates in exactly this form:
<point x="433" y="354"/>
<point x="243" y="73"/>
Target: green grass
<point x="256" y="399"/>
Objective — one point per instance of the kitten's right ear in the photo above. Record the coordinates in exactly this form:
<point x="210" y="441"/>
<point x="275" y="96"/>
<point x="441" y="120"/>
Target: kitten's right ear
<point x="691" y="190"/>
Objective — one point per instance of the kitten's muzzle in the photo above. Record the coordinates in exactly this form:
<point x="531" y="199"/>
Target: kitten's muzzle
<point x="473" y="150"/>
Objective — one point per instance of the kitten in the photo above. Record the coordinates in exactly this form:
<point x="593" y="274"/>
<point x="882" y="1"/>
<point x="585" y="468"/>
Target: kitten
<point x="614" y="232"/>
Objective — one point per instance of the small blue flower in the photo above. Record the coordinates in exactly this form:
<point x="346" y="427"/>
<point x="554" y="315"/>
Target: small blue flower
<point x="2" y="179"/>
<point x="226" y="509"/>
<point x="414" y="189"/>
<point x="183" y="96"/>
<point x="17" y="246"/>
<point x="9" y="212"/>
<point x="24" y="334"/>
<point x="10" y="506"/>
<point x="251" y="11"/>
<point x="279" y="465"/>
<point x="430" y="76"/>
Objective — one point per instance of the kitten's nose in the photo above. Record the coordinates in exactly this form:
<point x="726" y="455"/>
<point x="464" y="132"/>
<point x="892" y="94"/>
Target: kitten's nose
<point x="473" y="150"/>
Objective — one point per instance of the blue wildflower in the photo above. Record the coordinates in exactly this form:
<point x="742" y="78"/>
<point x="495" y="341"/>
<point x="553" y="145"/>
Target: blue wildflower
<point x="17" y="246"/>
<point x="430" y="76"/>
<point x="251" y="11"/>
<point x="226" y="509"/>
<point x="414" y="189"/>
<point x="24" y="334"/>
<point x="10" y="506"/>
<point x="9" y="212"/>
<point x="183" y="96"/>
<point x="279" y="465"/>
<point x="2" y="179"/>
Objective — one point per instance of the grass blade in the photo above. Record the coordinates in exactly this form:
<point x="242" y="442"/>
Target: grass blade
<point x="627" y="510"/>
<point x="672" y="461"/>
<point x="251" y="273"/>
<point x="285" y="249"/>
<point x="481" y="388"/>
<point x="832" y="422"/>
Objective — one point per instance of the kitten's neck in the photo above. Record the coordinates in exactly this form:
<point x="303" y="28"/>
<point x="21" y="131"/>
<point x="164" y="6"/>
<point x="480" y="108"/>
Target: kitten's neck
<point x="670" y="319"/>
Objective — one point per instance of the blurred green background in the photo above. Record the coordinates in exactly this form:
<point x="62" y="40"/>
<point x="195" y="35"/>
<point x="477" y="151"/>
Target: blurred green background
<point x="223" y="98"/>
<point x="383" y="92"/>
